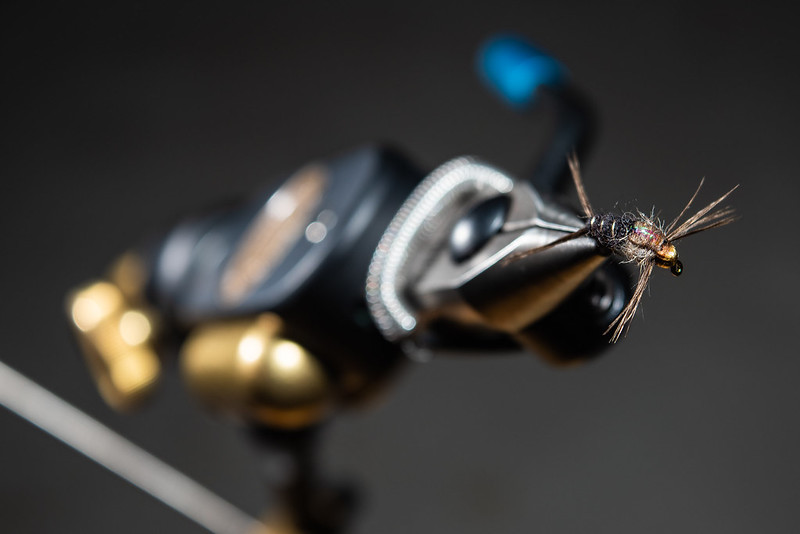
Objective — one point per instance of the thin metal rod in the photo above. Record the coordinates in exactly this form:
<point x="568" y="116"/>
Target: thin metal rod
<point x="120" y="456"/>
<point x="536" y="222"/>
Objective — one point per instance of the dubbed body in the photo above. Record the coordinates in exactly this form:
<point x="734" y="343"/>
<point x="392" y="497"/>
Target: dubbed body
<point x="637" y="238"/>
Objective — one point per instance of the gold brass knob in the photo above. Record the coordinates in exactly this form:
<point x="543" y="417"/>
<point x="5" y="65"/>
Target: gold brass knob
<point x="244" y="368"/>
<point x="116" y="339"/>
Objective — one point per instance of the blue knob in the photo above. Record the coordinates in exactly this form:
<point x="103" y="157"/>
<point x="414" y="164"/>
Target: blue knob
<point x="515" y="69"/>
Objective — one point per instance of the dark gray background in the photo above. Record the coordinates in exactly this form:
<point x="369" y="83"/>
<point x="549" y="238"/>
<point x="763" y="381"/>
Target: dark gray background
<point x="116" y="121"/>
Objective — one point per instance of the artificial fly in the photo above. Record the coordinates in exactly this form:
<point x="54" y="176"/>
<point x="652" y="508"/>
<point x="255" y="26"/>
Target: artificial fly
<point x="639" y="239"/>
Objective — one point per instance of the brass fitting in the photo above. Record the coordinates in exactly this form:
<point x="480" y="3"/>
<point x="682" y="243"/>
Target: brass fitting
<point x="117" y="342"/>
<point x="244" y="368"/>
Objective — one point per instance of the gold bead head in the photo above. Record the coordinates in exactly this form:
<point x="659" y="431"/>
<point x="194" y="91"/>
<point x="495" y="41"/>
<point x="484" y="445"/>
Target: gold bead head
<point x="667" y="258"/>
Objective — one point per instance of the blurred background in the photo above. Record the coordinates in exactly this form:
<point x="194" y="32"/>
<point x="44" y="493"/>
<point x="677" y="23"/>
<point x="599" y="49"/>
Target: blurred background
<point x="118" y="120"/>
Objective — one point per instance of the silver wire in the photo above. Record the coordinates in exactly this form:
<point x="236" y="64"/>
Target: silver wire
<point x="63" y="421"/>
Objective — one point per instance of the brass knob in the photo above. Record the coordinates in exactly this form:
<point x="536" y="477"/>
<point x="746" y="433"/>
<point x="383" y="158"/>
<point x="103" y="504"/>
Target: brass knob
<point x="116" y="340"/>
<point x="244" y="368"/>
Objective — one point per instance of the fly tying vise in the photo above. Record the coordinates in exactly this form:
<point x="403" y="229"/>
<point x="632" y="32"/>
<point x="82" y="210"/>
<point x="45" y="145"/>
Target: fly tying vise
<point x="638" y="238"/>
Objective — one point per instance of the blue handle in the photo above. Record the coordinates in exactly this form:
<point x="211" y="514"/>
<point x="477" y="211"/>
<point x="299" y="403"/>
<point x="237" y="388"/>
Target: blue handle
<point x="516" y="69"/>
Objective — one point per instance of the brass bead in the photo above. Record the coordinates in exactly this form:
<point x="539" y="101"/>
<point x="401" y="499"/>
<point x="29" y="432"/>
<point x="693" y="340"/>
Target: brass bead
<point x="244" y="368"/>
<point x="116" y="340"/>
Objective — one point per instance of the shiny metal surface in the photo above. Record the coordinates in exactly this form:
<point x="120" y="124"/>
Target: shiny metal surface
<point x="244" y="368"/>
<point x="117" y="342"/>
<point x="509" y="297"/>
<point x="419" y="230"/>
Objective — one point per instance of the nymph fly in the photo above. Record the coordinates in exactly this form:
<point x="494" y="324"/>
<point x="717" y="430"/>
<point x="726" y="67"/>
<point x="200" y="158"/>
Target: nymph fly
<point x="640" y="239"/>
